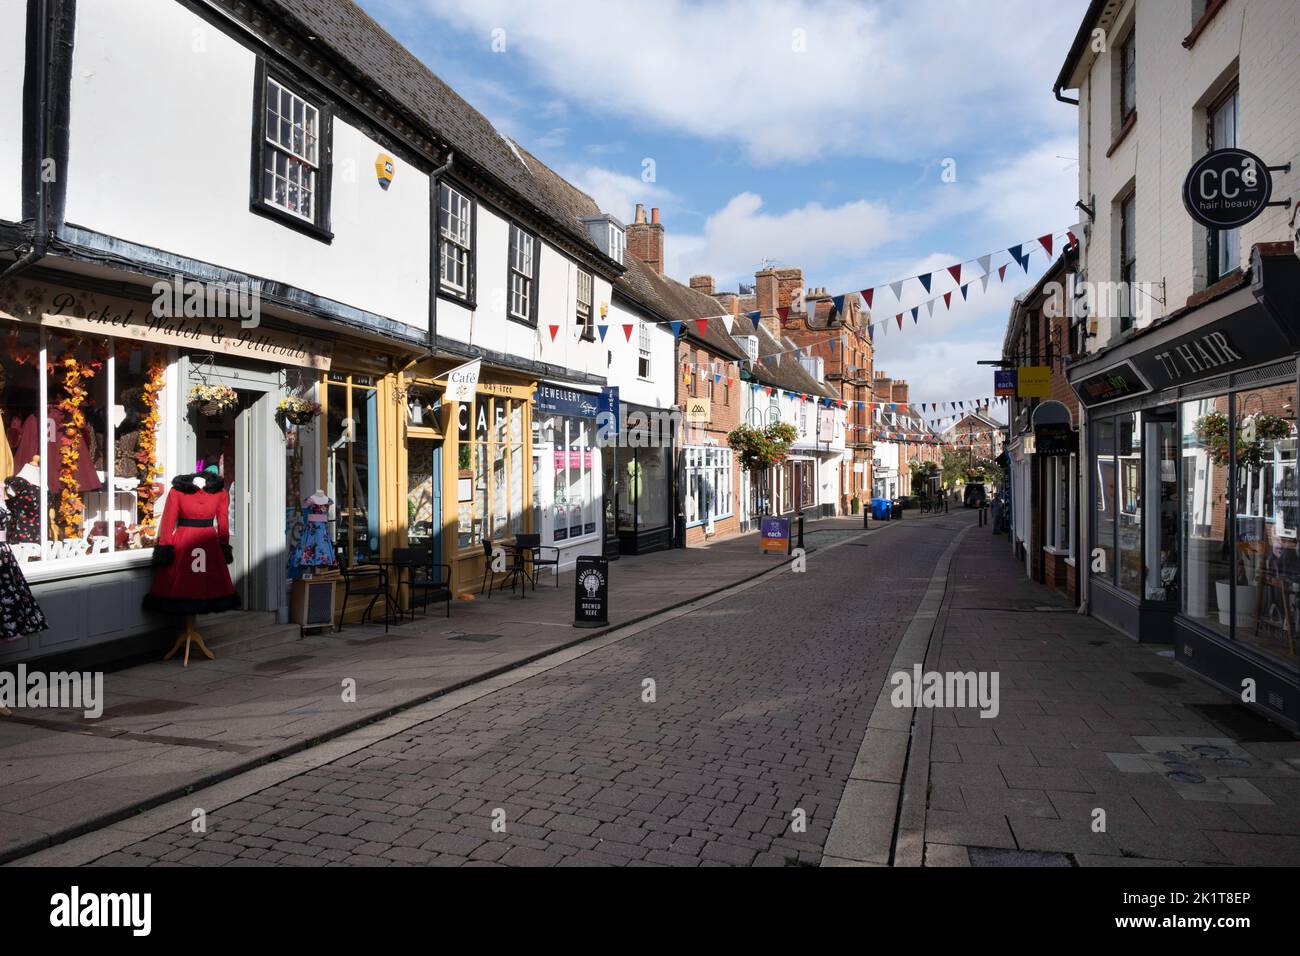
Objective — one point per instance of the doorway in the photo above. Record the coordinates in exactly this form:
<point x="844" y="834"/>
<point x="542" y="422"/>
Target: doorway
<point x="424" y="495"/>
<point x="223" y="447"/>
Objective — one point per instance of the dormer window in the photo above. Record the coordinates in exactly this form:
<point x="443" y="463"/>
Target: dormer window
<point x="608" y="234"/>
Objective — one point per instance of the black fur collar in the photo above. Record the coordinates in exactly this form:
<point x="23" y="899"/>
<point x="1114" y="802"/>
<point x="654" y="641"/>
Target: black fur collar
<point x="211" y="483"/>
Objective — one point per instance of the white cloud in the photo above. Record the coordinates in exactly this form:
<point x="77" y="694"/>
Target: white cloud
<point x="796" y="79"/>
<point x="617" y="193"/>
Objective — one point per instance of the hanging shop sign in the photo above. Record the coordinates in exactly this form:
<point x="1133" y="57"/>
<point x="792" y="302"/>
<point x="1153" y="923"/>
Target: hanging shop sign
<point x="1004" y="382"/>
<point x="775" y="535"/>
<point x="1111" y="384"/>
<point x="607" y="402"/>
<point x="78" y="310"/>
<point x="1055" y="439"/>
<point x="699" y="411"/>
<point x="461" y="382"/>
<point x="558" y="400"/>
<point x="591" y="592"/>
<point x="1227" y="188"/>
<point x="1033" y="381"/>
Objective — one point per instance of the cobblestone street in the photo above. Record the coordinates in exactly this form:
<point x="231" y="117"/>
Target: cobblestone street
<point x="758" y="712"/>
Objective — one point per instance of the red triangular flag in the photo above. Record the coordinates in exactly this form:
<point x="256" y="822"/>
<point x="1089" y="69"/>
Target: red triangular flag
<point x="783" y="312"/>
<point x="702" y="325"/>
<point x="1074" y="240"/>
<point x="554" y="329"/>
<point x="867" y="294"/>
<point x="627" y="332"/>
<point x="1002" y="273"/>
<point x="955" y="272"/>
<point x="899" y="317"/>
<point x="947" y="300"/>
<point x="1047" y="243"/>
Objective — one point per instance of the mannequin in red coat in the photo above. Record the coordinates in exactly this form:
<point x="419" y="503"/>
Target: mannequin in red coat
<point x="190" y="575"/>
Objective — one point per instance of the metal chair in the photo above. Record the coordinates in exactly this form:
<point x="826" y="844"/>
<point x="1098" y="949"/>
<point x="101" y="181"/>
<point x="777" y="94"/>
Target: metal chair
<point x="487" y="568"/>
<point x="424" y="575"/>
<point x="531" y="545"/>
<point x="351" y="577"/>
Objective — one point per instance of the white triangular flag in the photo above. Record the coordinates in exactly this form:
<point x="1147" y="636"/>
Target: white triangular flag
<point x="729" y="320"/>
<point x="897" y="289"/>
<point x="929" y="308"/>
<point x="985" y="280"/>
<point x="984" y="262"/>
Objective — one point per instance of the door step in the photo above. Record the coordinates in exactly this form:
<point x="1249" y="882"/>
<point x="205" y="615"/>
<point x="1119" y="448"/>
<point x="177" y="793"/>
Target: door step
<point x="234" y="631"/>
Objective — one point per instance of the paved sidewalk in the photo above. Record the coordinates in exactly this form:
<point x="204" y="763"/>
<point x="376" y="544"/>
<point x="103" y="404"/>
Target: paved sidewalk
<point x="1089" y="721"/>
<point x="166" y="731"/>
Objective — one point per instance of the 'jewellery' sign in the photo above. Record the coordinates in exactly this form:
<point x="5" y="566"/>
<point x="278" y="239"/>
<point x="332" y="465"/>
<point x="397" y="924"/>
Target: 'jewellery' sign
<point x="81" y="311"/>
<point x="1227" y="188"/>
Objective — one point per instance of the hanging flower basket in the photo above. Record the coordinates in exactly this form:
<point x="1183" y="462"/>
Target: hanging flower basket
<point x="214" y="400"/>
<point x="1253" y="431"/>
<point x="297" y="411"/>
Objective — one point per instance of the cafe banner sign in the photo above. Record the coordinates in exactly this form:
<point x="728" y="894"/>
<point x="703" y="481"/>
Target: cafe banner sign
<point x="81" y="311"/>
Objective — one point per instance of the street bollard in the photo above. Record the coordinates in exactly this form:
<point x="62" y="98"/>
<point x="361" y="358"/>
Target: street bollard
<point x="801" y="530"/>
<point x="983" y="516"/>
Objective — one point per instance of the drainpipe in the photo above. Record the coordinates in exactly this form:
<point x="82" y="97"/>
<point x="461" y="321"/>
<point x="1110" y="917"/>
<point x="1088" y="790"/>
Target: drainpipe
<point x="1056" y="91"/>
<point x="435" y="273"/>
<point x="40" y="226"/>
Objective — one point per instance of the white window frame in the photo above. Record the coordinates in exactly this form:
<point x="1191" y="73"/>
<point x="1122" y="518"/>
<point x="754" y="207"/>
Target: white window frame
<point x="643" y="368"/>
<point x="617" y="243"/>
<point x="456" y="234"/>
<point x="304" y="161"/>
<point x="522" y="270"/>
<point x="583" y="310"/>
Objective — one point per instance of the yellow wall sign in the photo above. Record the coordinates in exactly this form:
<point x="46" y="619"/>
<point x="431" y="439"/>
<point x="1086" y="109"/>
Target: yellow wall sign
<point x="699" y="411"/>
<point x="1033" y="381"/>
<point x="385" y="169"/>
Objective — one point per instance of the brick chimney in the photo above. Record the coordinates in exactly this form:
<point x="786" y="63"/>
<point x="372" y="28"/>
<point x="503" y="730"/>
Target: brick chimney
<point x="900" y="392"/>
<point x="774" y="288"/>
<point x="645" y="240"/>
<point x="703" y="283"/>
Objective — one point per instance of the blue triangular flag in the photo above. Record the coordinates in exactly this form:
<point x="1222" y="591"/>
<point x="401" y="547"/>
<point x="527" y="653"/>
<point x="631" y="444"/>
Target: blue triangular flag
<point x="677" y="329"/>
<point x="915" y="311"/>
<point x="838" y="302"/>
<point x="753" y="317"/>
<point x="963" y="292"/>
<point x="925" y="281"/>
<point x="602" y="329"/>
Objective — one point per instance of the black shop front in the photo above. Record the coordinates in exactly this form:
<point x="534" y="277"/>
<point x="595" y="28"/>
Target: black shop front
<point x="1193" y="490"/>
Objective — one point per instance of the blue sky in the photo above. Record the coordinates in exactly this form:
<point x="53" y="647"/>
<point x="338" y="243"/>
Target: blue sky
<point x="813" y="133"/>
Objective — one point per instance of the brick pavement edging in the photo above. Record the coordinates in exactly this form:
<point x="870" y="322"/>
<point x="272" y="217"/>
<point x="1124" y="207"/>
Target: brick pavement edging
<point x="89" y="841"/>
<point x="869" y="812"/>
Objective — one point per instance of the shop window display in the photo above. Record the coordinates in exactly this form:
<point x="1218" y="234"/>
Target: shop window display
<point x="1105" y="507"/>
<point x="1128" y="440"/>
<point x="79" y="462"/>
<point x="490" y="471"/>
<point x="352" y="466"/>
<point x="708" y="477"/>
<point x="1207" y="533"/>
<point x="565" y="447"/>
<point x="1267" y="573"/>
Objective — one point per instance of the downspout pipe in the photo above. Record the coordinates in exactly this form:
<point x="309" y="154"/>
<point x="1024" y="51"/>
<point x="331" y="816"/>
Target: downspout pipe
<point x="40" y="226"/>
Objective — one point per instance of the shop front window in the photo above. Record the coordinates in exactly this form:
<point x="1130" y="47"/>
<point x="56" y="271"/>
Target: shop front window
<point x="1206" y="590"/>
<point x="1105" y="507"/>
<point x="352" y="465"/>
<point x="1267" y="571"/>
<point x="708" y="474"/>
<point x="1161" y="532"/>
<point x="80" y="466"/>
<point x="490" y="470"/>
<point x="573" y="506"/>
<point x="1128" y="438"/>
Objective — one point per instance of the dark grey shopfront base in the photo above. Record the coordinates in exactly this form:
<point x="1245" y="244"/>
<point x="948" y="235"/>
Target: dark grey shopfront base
<point x="1145" y="622"/>
<point x="1277" y="692"/>
<point x="645" y="541"/>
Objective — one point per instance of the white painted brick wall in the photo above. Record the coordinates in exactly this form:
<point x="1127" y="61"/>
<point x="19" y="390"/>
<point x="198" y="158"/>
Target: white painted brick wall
<point x="1259" y="40"/>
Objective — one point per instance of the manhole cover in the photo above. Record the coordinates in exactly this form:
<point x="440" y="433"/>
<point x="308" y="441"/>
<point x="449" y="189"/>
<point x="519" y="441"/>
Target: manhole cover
<point x="996" y="856"/>
<point x="474" y="638"/>
<point x="1158" y="679"/>
<point x="1209" y="750"/>
<point x="1185" y="776"/>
